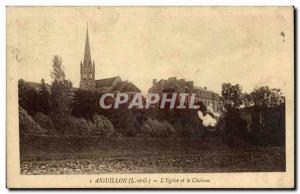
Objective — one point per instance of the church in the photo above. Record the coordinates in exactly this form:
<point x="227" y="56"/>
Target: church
<point x="89" y="83"/>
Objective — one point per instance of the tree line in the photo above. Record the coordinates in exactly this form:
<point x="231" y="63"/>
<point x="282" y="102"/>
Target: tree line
<point x="257" y="117"/>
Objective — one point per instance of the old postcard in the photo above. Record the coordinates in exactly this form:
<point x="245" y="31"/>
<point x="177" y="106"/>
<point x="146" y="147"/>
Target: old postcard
<point x="150" y="97"/>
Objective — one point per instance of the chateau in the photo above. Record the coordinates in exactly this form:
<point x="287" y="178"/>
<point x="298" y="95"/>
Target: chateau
<point x="87" y="76"/>
<point x="174" y="85"/>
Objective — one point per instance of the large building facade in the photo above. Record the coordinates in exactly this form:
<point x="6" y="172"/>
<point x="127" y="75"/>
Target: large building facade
<point x="88" y="81"/>
<point x="174" y="85"/>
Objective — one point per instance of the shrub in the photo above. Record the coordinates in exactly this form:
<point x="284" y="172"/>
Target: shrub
<point x="27" y="125"/>
<point x="45" y="122"/>
<point x="185" y="121"/>
<point x="157" y="128"/>
<point x="123" y="120"/>
<point x="85" y="104"/>
<point x="62" y="123"/>
<point x="101" y="126"/>
<point x="79" y="127"/>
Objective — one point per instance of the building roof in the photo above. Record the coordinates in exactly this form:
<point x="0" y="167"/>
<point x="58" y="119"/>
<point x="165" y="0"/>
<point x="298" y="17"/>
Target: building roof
<point x="125" y="86"/>
<point x="116" y="85"/>
<point x="105" y="82"/>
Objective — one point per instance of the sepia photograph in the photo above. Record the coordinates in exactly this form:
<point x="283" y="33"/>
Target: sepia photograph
<point x="150" y="97"/>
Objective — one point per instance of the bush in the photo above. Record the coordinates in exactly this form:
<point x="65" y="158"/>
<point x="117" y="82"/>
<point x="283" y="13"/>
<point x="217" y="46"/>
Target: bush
<point x="101" y="126"/>
<point x="123" y="120"/>
<point x="62" y="123"/>
<point x="157" y="128"/>
<point x="79" y="127"/>
<point x="27" y="125"/>
<point x="45" y="122"/>
<point x="85" y="104"/>
<point x="185" y="121"/>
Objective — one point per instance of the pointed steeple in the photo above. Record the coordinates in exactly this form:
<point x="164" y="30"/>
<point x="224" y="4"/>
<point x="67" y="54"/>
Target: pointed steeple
<point x="87" y="52"/>
<point x="87" y="67"/>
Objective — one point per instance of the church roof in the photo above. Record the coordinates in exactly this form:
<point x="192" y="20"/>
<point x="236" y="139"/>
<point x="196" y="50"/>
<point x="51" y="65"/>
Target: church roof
<point x="126" y="86"/>
<point x="105" y="82"/>
<point x="116" y="85"/>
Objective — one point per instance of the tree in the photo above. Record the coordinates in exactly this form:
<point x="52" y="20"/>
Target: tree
<point x="57" y="73"/>
<point x="268" y="113"/>
<point x="231" y="96"/>
<point x="44" y="98"/>
<point x="266" y="97"/>
<point x="28" y="97"/>
<point x="60" y="97"/>
<point x="263" y="99"/>
<point x="232" y="99"/>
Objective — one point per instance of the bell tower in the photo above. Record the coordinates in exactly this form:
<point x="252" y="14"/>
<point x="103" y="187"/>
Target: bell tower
<point x="87" y="67"/>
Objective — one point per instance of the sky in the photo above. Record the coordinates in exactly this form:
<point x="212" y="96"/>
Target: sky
<point x="208" y="45"/>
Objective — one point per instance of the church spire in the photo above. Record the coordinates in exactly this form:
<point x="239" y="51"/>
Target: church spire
<point x="87" y="52"/>
<point x="87" y="67"/>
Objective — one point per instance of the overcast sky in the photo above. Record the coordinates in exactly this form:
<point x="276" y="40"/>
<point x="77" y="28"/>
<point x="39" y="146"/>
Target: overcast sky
<point x="210" y="46"/>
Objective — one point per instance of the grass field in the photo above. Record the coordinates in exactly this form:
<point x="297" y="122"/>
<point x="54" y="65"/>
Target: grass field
<point x="94" y="155"/>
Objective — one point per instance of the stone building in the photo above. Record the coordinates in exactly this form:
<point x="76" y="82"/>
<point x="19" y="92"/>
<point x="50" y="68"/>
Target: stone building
<point x="174" y="85"/>
<point x="88" y="81"/>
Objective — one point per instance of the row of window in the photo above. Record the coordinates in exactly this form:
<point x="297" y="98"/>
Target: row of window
<point x="205" y="94"/>
<point x="85" y="76"/>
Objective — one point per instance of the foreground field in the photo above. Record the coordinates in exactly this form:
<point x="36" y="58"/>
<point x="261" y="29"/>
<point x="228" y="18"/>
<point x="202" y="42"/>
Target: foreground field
<point x="67" y="155"/>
